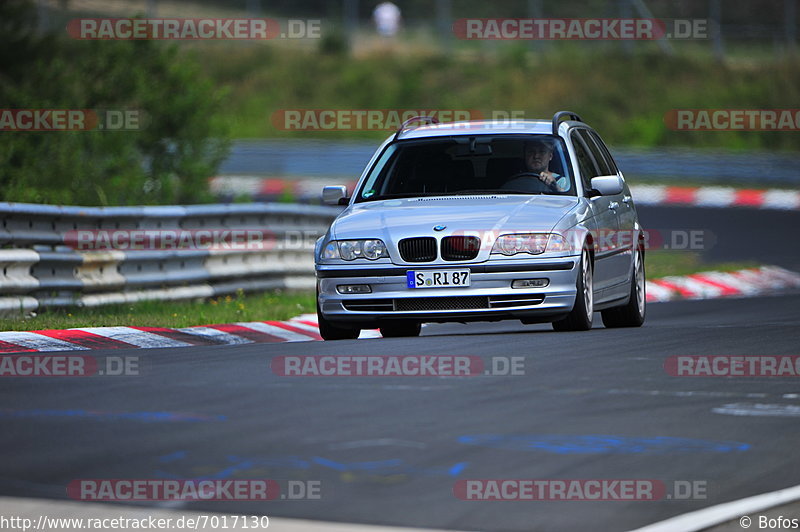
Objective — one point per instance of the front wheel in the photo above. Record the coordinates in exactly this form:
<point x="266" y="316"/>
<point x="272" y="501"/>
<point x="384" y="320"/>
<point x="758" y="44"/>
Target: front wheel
<point x="401" y="329"/>
<point x="633" y="313"/>
<point x="580" y="318"/>
<point x="330" y="331"/>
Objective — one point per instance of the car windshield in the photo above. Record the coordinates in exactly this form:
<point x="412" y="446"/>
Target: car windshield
<point x="461" y="165"/>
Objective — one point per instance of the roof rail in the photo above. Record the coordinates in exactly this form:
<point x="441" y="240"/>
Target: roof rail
<point x="560" y="115"/>
<point x="404" y="125"/>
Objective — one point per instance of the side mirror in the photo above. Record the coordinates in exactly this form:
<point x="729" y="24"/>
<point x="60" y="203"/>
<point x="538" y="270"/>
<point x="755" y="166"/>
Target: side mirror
<point x="606" y="185"/>
<point x="335" y="195"/>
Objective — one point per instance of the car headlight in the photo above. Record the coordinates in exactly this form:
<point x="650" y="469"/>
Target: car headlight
<point x="374" y="249"/>
<point x="558" y="243"/>
<point x="355" y="249"/>
<point x="532" y="243"/>
<point x="330" y="251"/>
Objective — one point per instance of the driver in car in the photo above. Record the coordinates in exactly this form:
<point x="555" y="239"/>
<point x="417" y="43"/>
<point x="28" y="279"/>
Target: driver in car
<point x="538" y="154"/>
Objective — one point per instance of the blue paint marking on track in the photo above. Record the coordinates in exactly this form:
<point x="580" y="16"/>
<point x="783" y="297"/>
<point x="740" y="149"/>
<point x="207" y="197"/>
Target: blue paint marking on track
<point x="178" y="455"/>
<point x="234" y="465"/>
<point x="456" y="469"/>
<point x="600" y="444"/>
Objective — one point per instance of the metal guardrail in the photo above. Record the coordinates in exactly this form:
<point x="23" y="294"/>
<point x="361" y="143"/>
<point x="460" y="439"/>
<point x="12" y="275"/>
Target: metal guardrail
<point x="40" y="266"/>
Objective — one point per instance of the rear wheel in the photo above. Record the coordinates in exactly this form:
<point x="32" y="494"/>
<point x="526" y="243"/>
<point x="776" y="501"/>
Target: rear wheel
<point x="401" y="329"/>
<point x="633" y="313"/>
<point x="331" y="331"/>
<point x="580" y="318"/>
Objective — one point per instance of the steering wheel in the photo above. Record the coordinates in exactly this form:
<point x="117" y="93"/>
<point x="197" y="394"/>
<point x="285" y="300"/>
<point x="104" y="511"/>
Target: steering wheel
<point x="540" y="185"/>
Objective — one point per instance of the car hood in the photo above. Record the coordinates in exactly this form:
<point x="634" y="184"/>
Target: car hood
<point x="400" y="218"/>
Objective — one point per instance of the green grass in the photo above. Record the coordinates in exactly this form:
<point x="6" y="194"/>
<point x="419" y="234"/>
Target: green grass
<point x="259" y="307"/>
<point x="274" y="305"/>
<point x="626" y="97"/>
<point x="660" y="263"/>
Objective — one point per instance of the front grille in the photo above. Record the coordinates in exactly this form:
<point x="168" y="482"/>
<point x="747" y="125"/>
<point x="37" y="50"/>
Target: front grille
<point x="422" y="249"/>
<point x="417" y="304"/>
<point x="369" y="305"/>
<point x="422" y="304"/>
<point x="460" y="247"/>
<point x="514" y="301"/>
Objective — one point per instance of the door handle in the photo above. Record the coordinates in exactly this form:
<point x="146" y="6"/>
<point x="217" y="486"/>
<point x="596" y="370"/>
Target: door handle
<point x="613" y="205"/>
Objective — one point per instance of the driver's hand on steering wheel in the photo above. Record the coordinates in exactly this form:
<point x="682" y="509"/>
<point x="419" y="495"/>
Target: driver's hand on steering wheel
<point x="548" y="179"/>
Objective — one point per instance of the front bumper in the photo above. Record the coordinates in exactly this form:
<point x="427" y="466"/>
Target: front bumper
<point x="489" y="296"/>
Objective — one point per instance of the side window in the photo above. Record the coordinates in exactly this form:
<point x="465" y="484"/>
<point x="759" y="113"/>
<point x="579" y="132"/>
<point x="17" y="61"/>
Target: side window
<point x="603" y="148"/>
<point x="604" y="168"/>
<point x="585" y="163"/>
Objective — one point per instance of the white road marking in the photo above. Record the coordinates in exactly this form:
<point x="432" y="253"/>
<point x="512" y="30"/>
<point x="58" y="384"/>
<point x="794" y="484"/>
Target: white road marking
<point x="721" y="513"/>
<point x="781" y="199"/>
<point x="306" y="327"/>
<point x="715" y="196"/>
<point x="758" y="410"/>
<point x="289" y="336"/>
<point x="135" y="337"/>
<point x="216" y="335"/>
<point x="39" y="342"/>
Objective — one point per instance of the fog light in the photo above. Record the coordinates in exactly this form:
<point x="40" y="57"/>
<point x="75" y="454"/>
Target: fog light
<point x="354" y="289"/>
<point x="530" y="283"/>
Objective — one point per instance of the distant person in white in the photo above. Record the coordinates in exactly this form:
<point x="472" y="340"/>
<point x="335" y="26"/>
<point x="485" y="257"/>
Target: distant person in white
<point x="387" y="19"/>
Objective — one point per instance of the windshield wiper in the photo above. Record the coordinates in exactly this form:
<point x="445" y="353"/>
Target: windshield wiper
<point x="398" y="195"/>
<point x="499" y="192"/>
<point x="474" y="191"/>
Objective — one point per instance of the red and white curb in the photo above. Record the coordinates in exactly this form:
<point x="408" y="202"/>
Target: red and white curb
<point x="642" y="194"/>
<point x="303" y="328"/>
<point x="299" y="329"/>
<point x="715" y="285"/>
<point x="716" y="197"/>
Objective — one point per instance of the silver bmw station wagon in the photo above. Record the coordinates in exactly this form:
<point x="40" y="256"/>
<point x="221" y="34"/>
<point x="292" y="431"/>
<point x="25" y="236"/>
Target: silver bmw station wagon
<point x="483" y="221"/>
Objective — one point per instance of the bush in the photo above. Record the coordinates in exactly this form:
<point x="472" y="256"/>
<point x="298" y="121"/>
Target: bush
<point x="168" y="160"/>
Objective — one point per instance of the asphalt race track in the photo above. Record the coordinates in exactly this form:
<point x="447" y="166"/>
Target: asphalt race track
<point x="763" y="236"/>
<point x="389" y="450"/>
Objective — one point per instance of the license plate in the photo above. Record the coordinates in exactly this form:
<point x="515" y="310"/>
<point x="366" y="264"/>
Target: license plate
<point x="437" y="278"/>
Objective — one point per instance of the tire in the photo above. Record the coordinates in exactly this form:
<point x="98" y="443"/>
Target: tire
<point x="330" y="331"/>
<point x="401" y="329"/>
<point x="580" y="317"/>
<point x="634" y="312"/>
